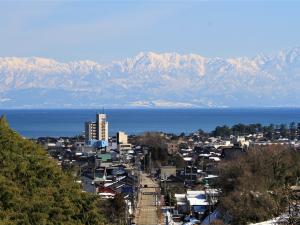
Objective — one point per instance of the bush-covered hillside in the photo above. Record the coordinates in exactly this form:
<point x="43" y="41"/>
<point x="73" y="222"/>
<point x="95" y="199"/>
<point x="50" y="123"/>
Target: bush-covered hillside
<point x="255" y="187"/>
<point x="33" y="189"/>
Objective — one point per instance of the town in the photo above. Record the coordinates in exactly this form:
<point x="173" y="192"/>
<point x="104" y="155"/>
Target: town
<point x="160" y="178"/>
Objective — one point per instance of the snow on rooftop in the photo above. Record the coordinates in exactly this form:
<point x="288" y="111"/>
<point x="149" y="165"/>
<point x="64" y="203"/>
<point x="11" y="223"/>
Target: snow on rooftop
<point x="197" y="201"/>
<point x="195" y="193"/>
<point x="216" y="159"/>
<point x="179" y="195"/>
<point x="187" y="158"/>
<point x="210" y="176"/>
<point x="204" y="155"/>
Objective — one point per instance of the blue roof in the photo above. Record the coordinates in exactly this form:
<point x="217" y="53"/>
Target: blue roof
<point x="97" y="143"/>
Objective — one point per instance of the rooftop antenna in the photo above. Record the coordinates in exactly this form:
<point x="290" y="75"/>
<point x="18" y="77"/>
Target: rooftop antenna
<point x="103" y="109"/>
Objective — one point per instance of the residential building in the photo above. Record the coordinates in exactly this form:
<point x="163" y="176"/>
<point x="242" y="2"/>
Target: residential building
<point x="90" y="131"/>
<point x="124" y="148"/>
<point x="167" y="171"/>
<point x="97" y="130"/>
<point x="102" y="127"/>
<point x="122" y="138"/>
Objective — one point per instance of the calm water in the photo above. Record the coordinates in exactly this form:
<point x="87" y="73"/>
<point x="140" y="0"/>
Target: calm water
<point x="36" y="123"/>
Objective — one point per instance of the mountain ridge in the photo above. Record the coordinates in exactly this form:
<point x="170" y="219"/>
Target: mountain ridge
<point x="152" y="80"/>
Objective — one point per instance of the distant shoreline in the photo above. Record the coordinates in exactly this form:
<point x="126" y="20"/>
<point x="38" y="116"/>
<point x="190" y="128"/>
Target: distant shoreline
<point x="157" y="108"/>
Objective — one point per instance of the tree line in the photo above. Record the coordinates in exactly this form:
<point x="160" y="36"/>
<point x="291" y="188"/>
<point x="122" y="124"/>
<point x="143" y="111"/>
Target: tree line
<point x="271" y="131"/>
<point x="256" y="186"/>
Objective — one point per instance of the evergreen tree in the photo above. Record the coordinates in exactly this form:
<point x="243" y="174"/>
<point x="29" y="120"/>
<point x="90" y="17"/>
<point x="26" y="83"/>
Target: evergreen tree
<point x="34" y="190"/>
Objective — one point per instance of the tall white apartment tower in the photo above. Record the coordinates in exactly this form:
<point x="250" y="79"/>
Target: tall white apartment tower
<point x="102" y="127"/>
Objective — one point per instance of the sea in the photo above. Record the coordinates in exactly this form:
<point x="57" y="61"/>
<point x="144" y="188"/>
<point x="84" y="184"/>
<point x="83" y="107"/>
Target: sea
<point x="70" y="122"/>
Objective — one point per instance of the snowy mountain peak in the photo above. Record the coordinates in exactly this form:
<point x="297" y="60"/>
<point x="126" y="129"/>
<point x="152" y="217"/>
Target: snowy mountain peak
<point x="155" y="79"/>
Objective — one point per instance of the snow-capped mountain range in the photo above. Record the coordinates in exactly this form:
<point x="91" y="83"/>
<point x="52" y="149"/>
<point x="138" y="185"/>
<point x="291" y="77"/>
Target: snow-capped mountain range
<point x="152" y="80"/>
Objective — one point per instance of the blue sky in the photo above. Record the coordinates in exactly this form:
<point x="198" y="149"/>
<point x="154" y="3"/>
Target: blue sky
<point x="112" y="30"/>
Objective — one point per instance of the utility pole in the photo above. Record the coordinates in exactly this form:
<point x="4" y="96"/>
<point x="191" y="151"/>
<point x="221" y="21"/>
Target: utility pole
<point x="94" y="185"/>
<point x="150" y="162"/>
<point x="191" y="173"/>
<point x="185" y="173"/>
<point x="165" y="189"/>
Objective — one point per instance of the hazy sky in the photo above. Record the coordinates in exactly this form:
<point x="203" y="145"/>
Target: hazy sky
<point x="112" y="30"/>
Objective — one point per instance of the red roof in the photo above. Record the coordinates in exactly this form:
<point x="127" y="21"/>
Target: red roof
<point x="106" y="190"/>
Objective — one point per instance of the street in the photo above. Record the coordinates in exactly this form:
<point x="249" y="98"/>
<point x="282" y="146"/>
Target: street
<point x="147" y="206"/>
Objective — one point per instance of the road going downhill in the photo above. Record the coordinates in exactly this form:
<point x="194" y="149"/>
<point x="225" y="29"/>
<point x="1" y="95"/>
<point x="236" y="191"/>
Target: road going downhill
<point x="147" y="207"/>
